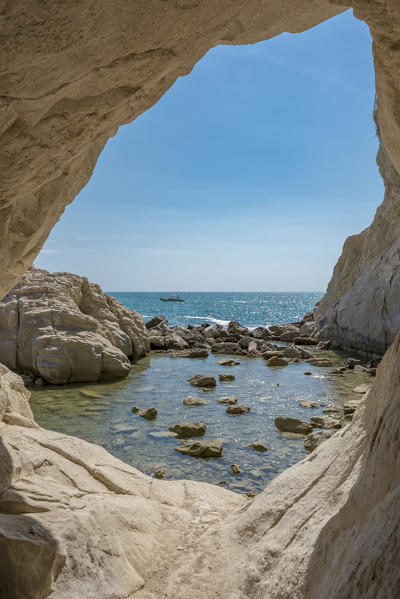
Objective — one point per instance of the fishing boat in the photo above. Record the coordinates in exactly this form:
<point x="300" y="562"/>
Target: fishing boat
<point x="175" y="297"/>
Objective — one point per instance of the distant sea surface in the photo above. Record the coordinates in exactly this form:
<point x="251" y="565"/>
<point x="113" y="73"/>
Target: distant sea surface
<point x="250" y="309"/>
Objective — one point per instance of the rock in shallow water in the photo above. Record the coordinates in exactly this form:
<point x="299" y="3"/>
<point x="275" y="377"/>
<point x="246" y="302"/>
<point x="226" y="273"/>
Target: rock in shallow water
<point x="203" y="380"/>
<point x="276" y="361"/>
<point x="226" y="378"/>
<point x="326" y="422"/>
<point x="257" y="446"/>
<point x="287" y="424"/>
<point x="189" y="429"/>
<point x="235" y="469"/>
<point x="228" y="399"/>
<point x="238" y="410"/>
<point x="194" y="401"/>
<point x="228" y="362"/>
<point x="149" y="414"/>
<point x="201" y="449"/>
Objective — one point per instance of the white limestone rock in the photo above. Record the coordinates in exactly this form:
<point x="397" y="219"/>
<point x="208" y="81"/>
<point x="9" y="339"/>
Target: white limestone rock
<point x="64" y="329"/>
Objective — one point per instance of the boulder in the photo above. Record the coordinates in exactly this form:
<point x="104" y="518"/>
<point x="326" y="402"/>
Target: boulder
<point x="201" y="449"/>
<point x="226" y="348"/>
<point x="203" y="380"/>
<point x="308" y="404"/>
<point x="292" y="352"/>
<point x="228" y="362"/>
<point x="237" y="410"/>
<point x="175" y="341"/>
<point x="194" y="352"/>
<point x="189" y="429"/>
<point x="157" y="320"/>
<point x="257" y="446"/>
<point x="276" y="361"/>
<point x="305" y="340"/>
<point x="260" y="333"/>
<point x="351" y="362"/>
<point x="312" y="440"/>
<point x="157" y="342"/>
<point x="226" y="378"/>
<point x="287" y="424"/>
<point x="213" y="331"/>
<point x="63" y="329"/>
<point x="235" y="328"/>
<point x="149" y="413"/>
<point x="194" y="401"/>
<point x="235" y="469"/>
<point x="228" y="399"/>
<point x="325" y="422"/>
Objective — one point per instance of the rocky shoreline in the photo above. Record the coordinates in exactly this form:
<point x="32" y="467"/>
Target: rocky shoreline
<point x="197" y="342"/>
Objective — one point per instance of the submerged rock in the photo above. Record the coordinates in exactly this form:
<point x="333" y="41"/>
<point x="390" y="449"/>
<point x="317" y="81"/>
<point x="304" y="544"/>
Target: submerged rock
<point x="226" y="378"/>
<point x="149" y="414"/>
<point x="201" y="449"/>
<point x="275" y="361"/>
<point x="64" y="330"/>
<point x="194" y="401"/>
<point x="238" y="410"/>
<point x="228" y="362"/>
<point x="203" y="380"/>
<point x="159" y="473"/>
<point x="257" y="446"/>
<point x="228" y="399"/>
<point x="287" y="424"/>
<point x="308" y="404"/>
<point x="189" y="429"/>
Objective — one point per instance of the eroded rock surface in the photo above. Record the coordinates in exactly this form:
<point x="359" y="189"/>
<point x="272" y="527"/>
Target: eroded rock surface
<point x="360" y="309"/>
<point x="64" y="329"/>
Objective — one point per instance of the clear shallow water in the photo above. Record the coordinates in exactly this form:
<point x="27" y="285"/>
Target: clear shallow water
<point x="250" y="309"/>
<point x="101" y="413"/>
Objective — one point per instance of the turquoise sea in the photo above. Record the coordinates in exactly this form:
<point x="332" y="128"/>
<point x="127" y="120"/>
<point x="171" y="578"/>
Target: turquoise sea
<point x="250" y="309"/>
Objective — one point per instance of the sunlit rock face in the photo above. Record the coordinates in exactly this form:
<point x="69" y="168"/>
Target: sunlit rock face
<point x="75" y="522"/>
<point x="360" y="310"/>
<point x="64" y="329"/>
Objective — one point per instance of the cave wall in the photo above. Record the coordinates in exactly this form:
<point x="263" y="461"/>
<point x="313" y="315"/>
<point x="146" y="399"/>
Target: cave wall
<point x="360" y="309"/>
<point x="72" y="72"/>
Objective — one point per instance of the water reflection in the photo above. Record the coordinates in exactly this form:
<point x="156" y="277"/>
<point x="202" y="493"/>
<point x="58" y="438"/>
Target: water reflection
<point x="101" y="413"/>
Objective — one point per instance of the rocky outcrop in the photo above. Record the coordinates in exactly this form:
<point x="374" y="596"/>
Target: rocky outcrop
<point x="74" y="521"/>
<point x="64" y="329"/>
<point x="360" y="309"/>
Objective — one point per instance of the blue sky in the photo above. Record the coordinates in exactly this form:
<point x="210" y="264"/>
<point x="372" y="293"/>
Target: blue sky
<point x="247" y="175"/>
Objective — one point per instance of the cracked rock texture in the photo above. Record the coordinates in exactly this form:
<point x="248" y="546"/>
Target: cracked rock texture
<point x="64" y="329"/>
